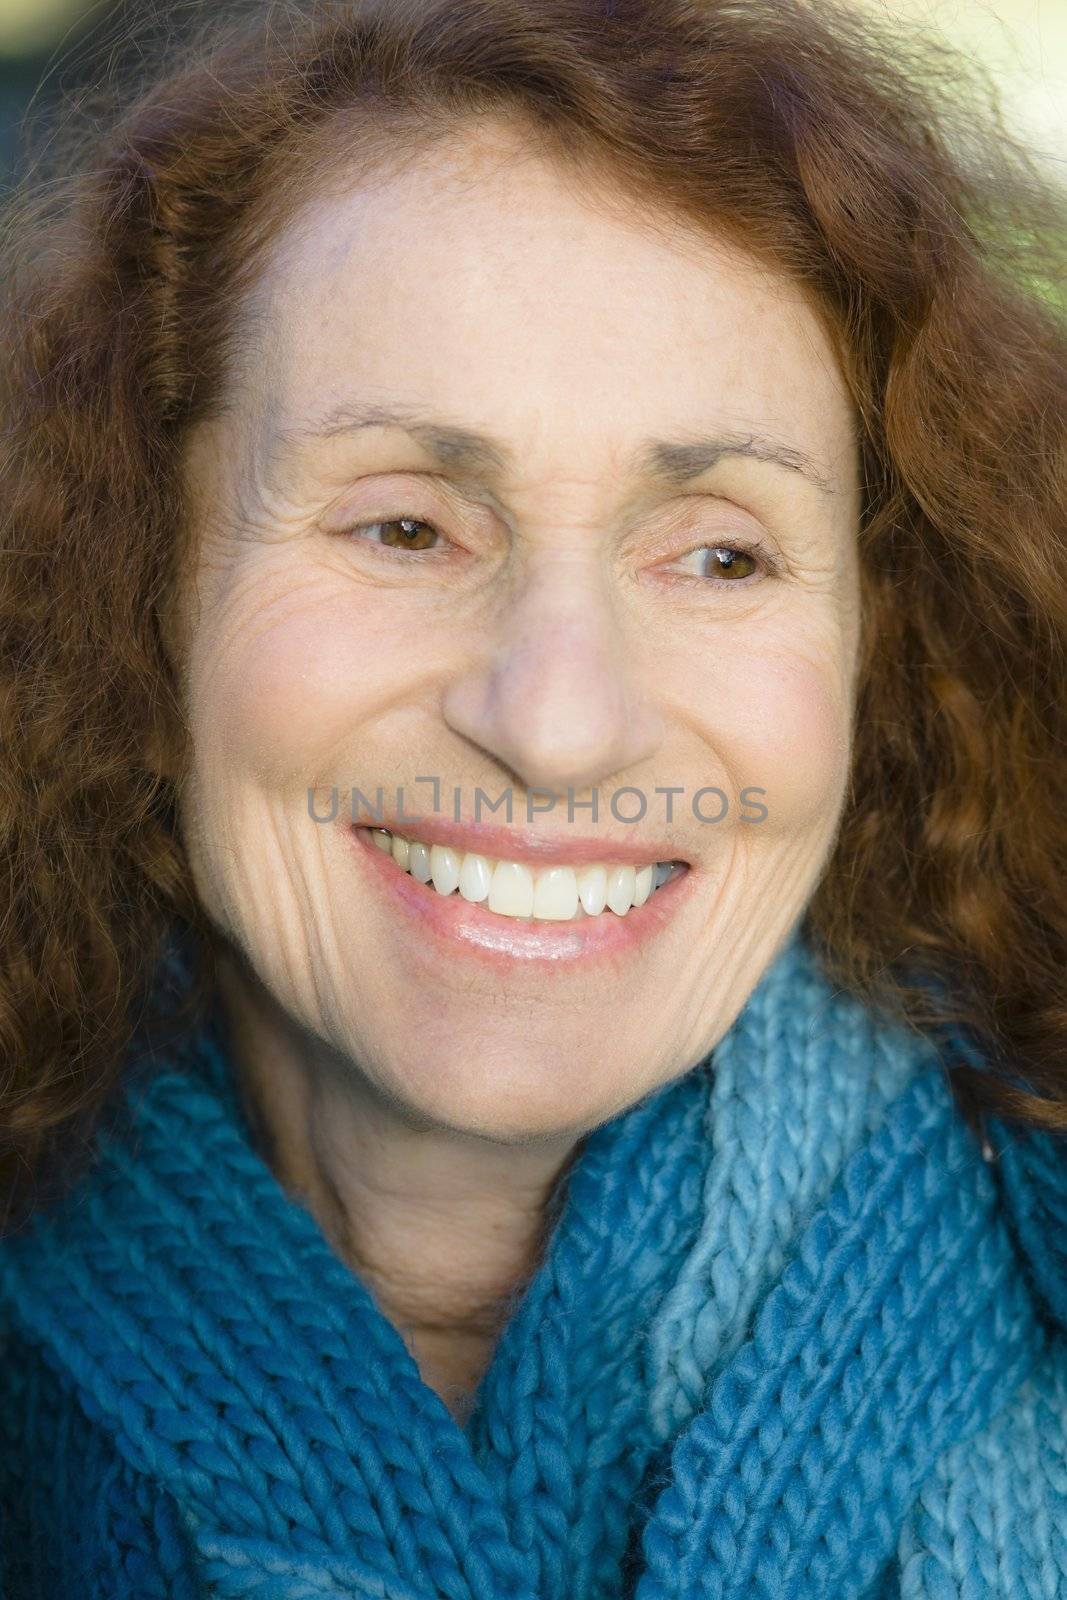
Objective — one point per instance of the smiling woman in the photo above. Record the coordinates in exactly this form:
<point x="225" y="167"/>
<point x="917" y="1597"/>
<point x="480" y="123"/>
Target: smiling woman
<point x="532" y="642"/>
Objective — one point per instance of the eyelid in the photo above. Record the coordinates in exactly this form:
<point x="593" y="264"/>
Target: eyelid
<point x="407" y="506"/>
<point x="354" y="529"/>
<point x="753" y="548"/>
<point x="729" y="519"/>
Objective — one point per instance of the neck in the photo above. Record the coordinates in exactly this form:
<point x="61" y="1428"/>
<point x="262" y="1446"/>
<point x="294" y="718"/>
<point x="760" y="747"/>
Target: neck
<point x="443" y="1227"/>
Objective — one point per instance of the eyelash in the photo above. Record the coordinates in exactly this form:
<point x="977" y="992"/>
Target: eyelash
<point x="753" y="552"/>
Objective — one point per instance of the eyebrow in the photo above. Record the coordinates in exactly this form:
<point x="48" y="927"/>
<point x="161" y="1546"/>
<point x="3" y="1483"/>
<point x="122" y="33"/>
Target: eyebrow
<point x="671" y="462"/>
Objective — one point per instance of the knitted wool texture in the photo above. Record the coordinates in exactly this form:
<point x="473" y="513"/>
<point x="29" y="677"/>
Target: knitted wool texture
<point x="791" y="1336"/>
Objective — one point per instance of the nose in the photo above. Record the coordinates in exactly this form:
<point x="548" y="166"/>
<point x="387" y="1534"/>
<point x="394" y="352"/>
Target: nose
<point x="552" y="695"/>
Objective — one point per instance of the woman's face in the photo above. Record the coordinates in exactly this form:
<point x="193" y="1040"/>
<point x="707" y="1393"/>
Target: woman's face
<point x="566" y="615"/>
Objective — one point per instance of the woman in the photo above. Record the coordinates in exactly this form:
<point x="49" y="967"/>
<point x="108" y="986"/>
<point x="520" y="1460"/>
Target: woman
<point x="533" y="1003"/>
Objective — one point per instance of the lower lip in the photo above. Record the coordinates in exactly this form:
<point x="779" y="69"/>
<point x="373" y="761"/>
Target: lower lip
<point x="469" y="925"/>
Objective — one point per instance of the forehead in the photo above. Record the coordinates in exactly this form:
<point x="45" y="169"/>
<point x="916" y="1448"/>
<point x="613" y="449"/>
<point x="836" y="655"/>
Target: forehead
<point x="486" y="283"/>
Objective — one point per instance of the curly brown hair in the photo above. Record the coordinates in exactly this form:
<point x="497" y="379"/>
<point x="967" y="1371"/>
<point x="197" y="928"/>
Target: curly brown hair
<point x="873" y="167"/>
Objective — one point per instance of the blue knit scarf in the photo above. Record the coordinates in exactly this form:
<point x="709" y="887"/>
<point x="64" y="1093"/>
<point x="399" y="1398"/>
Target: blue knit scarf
<point x="791" y="1336"/>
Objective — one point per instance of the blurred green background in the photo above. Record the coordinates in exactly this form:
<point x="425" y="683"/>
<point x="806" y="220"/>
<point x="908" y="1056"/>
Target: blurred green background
<point x="47" y="49"/>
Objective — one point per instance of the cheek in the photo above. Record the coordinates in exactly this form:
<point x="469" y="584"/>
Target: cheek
<point x="788" y="733"/>
<point x="282" y="684"/>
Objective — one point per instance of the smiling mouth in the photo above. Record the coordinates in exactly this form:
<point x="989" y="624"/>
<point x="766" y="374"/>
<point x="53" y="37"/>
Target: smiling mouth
<point x="515" y="890"/>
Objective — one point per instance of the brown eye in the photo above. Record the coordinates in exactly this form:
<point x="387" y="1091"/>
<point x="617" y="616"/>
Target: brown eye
<point x="720" y="563"/>
<point x="401" y="533"/>
<point x="730" y="563"/>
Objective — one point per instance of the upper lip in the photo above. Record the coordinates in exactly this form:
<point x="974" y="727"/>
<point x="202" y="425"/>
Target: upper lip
<point x="509" y="844"/>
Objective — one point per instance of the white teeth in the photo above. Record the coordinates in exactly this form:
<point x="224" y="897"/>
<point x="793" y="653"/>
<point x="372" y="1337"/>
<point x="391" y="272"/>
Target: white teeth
<point x="555" y="894"/>
<point x="512" y="889"/>
<point x="621" y="882"/>
<point x="401" y="851"/>
<point x="475" y="876"/>
<point x="444" y="868"/>
<point x="551" y="894"/>
<point x="593" y="889"/>
<point x="419" y="861"/>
